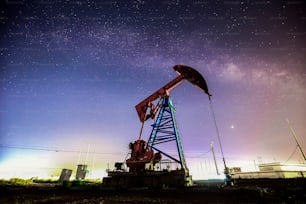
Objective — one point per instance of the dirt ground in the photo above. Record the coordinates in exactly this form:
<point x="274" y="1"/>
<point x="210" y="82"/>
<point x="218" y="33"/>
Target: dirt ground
<point x="199" y="194"/>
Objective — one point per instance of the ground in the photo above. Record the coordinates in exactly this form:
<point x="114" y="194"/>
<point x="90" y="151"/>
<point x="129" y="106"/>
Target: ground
<point x="95" y="193"/>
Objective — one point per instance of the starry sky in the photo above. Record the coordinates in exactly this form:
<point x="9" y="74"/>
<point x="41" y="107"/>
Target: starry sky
<point x="71" y="73"/>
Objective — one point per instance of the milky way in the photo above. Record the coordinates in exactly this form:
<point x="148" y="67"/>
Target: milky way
<point x="72" y="72"/>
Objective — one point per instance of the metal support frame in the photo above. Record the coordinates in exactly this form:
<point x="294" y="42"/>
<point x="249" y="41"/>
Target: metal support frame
<point x="165" y="130"/>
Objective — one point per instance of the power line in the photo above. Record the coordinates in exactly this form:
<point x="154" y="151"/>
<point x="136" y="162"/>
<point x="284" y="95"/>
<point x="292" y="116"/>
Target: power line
<point x="52" y="150"/>
<point x="192" y="154"/>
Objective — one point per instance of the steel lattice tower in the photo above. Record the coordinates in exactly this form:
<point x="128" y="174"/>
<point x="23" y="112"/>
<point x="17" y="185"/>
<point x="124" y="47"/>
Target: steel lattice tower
<point x="165" y="130"/>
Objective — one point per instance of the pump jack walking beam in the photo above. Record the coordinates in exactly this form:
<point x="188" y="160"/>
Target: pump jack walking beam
<point x="185" y="73"/>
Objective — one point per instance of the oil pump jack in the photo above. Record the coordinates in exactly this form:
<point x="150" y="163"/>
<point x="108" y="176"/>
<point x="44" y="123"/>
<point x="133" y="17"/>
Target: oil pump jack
<point x="164" y="130"/>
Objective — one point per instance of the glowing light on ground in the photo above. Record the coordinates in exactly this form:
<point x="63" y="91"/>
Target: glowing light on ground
<point x="25" y="166"/>
<point x="97" y="174"/>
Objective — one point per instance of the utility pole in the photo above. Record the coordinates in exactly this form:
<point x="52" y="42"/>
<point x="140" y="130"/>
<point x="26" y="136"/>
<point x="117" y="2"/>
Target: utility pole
<point x="296" y="140"/>
<point x="213" y="152"/>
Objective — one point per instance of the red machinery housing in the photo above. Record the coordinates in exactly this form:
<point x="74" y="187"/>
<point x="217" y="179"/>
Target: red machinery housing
<point x="141" y="155"/>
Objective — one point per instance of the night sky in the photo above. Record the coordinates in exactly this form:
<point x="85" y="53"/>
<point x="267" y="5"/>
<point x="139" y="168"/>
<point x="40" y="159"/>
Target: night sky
<point x="71" y="73"/>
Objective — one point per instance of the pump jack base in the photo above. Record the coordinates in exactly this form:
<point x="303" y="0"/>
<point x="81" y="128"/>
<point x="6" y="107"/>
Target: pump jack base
<point x="147" y="179"/>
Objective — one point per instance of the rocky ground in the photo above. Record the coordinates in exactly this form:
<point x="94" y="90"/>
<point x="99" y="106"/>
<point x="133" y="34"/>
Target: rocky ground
<point x="56" y="193"/>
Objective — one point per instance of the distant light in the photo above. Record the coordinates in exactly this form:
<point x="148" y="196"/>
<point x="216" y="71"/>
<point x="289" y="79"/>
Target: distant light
<point x="25" y="166"/>
<point x="293" y="167"/>
<point x="232" y="126"/>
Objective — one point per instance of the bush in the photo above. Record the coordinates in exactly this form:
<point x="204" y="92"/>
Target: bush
<point x="19" y="181"/>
